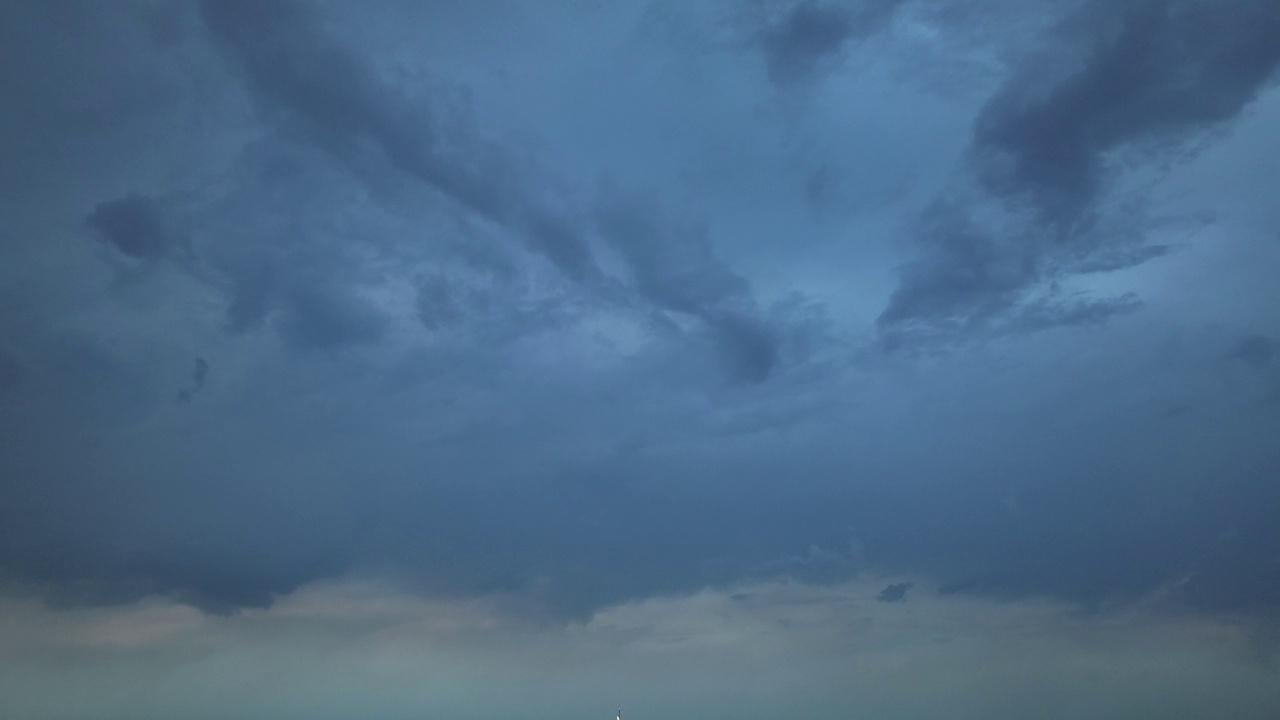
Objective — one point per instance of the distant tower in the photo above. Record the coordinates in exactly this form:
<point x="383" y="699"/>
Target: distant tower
<point x="619" y="713"/>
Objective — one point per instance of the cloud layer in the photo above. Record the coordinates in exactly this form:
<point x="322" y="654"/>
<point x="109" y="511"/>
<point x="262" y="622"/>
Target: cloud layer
<point x="759" y="651"/>
<point x="685" y="298"/>
<point x="1128" y="86"/>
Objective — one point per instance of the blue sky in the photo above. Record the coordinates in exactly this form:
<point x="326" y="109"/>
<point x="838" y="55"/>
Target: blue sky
<point x="916" y="358"/>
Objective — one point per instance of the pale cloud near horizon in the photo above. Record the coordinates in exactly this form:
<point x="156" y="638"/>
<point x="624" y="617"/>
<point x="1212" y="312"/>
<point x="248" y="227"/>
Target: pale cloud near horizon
<point x="361" y="647"/>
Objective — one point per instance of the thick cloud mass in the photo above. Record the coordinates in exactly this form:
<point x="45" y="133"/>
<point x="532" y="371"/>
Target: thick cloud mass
<point x="1160" y="72"/>
<point x="809" y="33"/>
<point x="132" y="225"/>
<point x="291" y="66"/>
<point x="897" y="592"/>
<point x="1256" y="350"/>
<point x="572" y="305"/>
<point x="1129" y="81"/>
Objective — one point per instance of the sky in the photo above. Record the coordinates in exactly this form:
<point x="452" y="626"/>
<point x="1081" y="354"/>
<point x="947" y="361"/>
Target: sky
<point x="729" y="358"/>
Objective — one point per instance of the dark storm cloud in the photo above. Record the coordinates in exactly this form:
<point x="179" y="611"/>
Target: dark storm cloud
<point x="1255" y="350"/>
<point x="1058" y="312"/>
<point x="252" y="296"/>
<point x="221" y="582"/>
<point x="438" y="303"/>
<point x="228" y="530"/>
<point x="812" y="32"/>
<point x="897" y="592"/>
<point x="566" y="555"/>
<point x="293" y="68"/>
<point x="673" y="265"/>
<point x="1155" y="73"/>
<point x="302" y="291"/>
<point x="974" y="285"/>
<point x="495" y="430"/>
<point x="199" y="373"/>
<point x="1098" y="519"/>
<point x="132" y="224"/>
<point x="1144" y="79"/>
<point x="748" y="345"/>
<point x="317" y="318"/>
<point x="808" y="34"/>
<point x="967" y="273"/>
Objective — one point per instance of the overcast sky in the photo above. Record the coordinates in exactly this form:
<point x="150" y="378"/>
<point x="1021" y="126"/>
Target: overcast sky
<point x="718" y="358"/>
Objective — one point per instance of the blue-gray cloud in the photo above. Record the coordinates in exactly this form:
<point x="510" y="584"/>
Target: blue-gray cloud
<point x="132" y="225"/>
<point x="675" y="268"/>
<point x="1142" y="80"/>
<point x="1256" y="350"/>
<point x="810" y="33"/>
<point x="896" y="592"/>
<point x="611" y="363"/>
<point x="340" y="103"/>
<point x="1153" y="74"/>
<point x="199" y="374"/>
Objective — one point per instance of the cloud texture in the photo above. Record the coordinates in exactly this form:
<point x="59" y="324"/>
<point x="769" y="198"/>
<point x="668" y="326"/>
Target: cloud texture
<point x="573" y="307"/>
